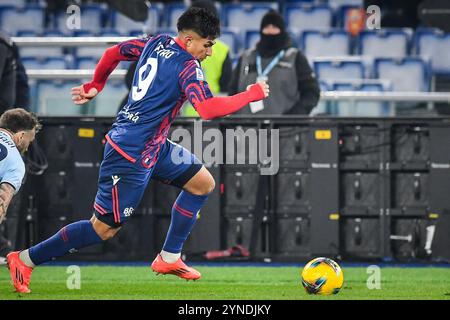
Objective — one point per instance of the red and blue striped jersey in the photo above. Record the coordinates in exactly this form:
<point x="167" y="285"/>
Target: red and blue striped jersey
<point x="166" y="76"/>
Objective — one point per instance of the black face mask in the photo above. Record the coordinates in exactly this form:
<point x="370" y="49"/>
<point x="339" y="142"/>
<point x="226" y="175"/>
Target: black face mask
<point x="270" y="45"/>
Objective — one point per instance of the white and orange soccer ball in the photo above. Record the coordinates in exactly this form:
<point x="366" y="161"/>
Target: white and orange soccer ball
<point x="322" y="276"/>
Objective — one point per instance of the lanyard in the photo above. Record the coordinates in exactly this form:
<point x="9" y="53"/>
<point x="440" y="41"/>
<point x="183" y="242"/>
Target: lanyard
<point x="271" y="65"/>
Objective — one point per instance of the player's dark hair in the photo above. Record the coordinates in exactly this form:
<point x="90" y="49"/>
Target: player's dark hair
<point x="19" y="119"/>
<point x="202" y="21"/>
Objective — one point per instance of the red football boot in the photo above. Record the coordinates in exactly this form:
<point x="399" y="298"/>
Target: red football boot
<point x="178" y="268"/>
<point x="20" y="273"/>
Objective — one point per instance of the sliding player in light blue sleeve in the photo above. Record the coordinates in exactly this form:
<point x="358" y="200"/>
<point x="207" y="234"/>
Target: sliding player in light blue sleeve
<point x="17" y="130"/>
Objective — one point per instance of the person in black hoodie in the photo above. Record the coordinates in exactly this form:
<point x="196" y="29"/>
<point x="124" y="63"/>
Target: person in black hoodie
<point x="293" y="86"/>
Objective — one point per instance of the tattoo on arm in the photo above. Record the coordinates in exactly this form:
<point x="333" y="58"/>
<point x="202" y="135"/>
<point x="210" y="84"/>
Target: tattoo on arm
<point x="6" y="194"/>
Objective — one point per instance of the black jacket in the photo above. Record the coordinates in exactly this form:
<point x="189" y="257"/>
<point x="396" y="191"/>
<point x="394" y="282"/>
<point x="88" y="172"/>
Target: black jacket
<point x="308" y="85"/>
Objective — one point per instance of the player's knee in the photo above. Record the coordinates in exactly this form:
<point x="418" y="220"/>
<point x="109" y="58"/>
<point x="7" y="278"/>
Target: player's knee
<point x="212" y="185"/>
<point x="107" y="234"/>
<point x="104" y="231"/>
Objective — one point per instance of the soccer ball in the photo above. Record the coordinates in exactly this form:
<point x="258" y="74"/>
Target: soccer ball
<point x="322" y="276"/>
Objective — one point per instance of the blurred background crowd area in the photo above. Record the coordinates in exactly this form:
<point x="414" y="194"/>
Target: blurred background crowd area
<point x="407" y="52"/>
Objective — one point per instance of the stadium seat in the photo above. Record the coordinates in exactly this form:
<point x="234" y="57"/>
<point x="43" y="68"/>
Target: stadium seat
<point x="335" y="4"/>
<point x="384" y="43"/>
<point x="86" y="62"/>
<point x="338" y="69"/>
<point x="435" y="46"/>
<point x="107" y="102"/>
<point x="91" y="19"/>
<point x="15" y="3"/>
<point x="322" y="106"/>
<point x="125" y="25"/>
<point x="359" y="108"/>
<point x="407" y="74"/>
<point x="325" y="43"/>
<point x="171" y="14"/>
<point x="14" y="19"/>
<point x="44" y="63"/>
<point x="246" y="16"/>
<point x="251" y="38"/>
<point x="54" y="99"/>
<point x="303" y="17"/>
<point x="230" y="37"/>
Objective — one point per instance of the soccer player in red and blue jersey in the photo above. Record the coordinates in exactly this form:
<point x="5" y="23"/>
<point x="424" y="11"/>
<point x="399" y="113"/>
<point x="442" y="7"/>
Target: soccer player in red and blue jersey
<point x="137" y="149"/>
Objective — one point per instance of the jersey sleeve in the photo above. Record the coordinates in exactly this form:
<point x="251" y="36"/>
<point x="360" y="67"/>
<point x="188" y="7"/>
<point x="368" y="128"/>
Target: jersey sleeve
<point x="193" y="83"/>
<point x="14" y="171"/>
<point x="132" y="49"/>
<point x="129" y="50"/>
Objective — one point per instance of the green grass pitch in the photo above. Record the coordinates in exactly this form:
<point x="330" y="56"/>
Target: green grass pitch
<point x="225" y="283"/>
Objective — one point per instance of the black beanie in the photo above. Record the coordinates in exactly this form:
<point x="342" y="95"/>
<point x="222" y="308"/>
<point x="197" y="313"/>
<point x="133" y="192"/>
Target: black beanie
<point x="273" y="17"/>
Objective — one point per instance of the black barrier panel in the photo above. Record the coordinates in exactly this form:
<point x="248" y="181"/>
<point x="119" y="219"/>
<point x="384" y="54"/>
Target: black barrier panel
<point x="238" y="231"/>
<point x="161" y="226"/>
<point x="293" y="191"/>
<point x="239" y="187"/>
<point x="165" y="196"/>
<point x="293" y="235"/>
<point x="294" y="145"/>
<point x="57" y="142"/>
<point x="56" y="190"/>
<point x="410" y="190"/>
<point x="349" y="184"/>
<point x="361" y="190"/>
<point x="135" y="241"/>
<point x="360" y="145"/>
<point x="411" y="239"/>
<point x="410" y="143"/>
<point x="360" y="238"/>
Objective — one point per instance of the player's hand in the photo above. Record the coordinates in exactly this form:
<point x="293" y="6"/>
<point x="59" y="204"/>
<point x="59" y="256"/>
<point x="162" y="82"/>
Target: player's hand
<point x="81" y="97"/>
<point x="264" y="86"/>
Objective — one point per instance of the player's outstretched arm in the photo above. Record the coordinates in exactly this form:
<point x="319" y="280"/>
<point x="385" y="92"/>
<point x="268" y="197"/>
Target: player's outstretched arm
<point x="125" y="51"/>
<point x="217" y="107"/>
<point x="6" y="194"/>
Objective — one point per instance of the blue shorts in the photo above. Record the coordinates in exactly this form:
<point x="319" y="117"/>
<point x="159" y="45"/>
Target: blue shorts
<point x="122" y="183"/>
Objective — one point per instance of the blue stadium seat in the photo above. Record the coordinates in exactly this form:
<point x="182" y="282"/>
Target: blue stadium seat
<point x="303" y="17"/>
<point x="107" y="102"/>
<point x="125" y="25"/>
<point x="171" y="14"/>
<point x="322" y="107"/>
<point x="92" y="20"/>
<point x="86" y="62"/>
<point x="91" y="51"/>
<point x="246" y="16"/>
<point x="335" y="4"/>
<point x="325" y="43"/>
<point x="384" y="43"/>
<point x="44" y="63"/>
<point x="14" y="3"/>
<point x="406" y="74"/>
<point x="170" y="31"/>
<point x="230" y="37"/>
<point x="435" y="46"/>
<point x="360" y="108"/>
<point x="41" y="52"/>
<point x="338" y="69"/>
<point x="14" y="19"/>
<point x="251" y="38"/>
<point x="54" y="99"/>
<point x="107" y="32"/>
